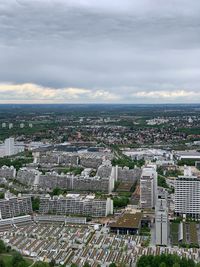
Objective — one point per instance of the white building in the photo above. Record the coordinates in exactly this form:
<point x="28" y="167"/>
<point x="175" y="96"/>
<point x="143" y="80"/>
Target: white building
<point x="76" y="204"/>
<point x="9" y="146"/>
<point x="10" y="125"/>
<point x="161" y="219"/>
<point x="148" y="187"/>
<point x="187" y="195"/>
<point x="15" y="206"/>
<point x="188" y="154"/>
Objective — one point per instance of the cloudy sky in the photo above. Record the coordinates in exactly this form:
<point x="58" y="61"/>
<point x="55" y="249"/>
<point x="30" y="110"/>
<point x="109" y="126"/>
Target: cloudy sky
<point x="99" y="51"/>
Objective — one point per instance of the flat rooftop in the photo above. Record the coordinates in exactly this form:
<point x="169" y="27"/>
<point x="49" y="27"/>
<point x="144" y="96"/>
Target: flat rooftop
<point x="188" y="153"/>
<point x="128" y="220"/>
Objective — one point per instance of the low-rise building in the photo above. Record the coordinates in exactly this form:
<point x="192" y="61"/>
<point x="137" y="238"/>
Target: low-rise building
<point x="128" y="223"/>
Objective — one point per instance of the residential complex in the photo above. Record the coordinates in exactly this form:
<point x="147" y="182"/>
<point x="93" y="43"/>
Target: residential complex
<point x="76" y="204"/>
<point x="15" y="206"/>
<point x="187" y="195"/>
<point x="103" y="180"/>
<point x="97" y="191"/>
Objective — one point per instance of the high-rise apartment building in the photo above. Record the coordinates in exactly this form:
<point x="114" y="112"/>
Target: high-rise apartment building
<point x="9" y="146"/>
<point x="76" y="204"/>
<point x="148" y="187"/>
<point x="15" y="206"/>
<point x="187" y="195"/>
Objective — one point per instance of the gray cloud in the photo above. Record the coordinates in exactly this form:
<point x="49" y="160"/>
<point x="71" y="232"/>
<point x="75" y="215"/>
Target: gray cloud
<point x="132" y="50"/>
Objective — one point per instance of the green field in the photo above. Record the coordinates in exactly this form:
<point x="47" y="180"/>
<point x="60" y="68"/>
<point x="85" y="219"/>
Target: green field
<point x="190" y="237"/>
<point x="174" y="233"/>
<point x="7" y="258"/>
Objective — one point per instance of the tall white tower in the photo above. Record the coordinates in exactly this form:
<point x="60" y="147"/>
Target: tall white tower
<point x="161" y="219"/>
<point x="187" y="194"/>
<point x="9" y="146"/>
<point x="148" y="187"/>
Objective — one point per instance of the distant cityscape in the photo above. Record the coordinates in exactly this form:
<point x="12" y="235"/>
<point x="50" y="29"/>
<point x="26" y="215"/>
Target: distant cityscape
<point x="81" y="197"/>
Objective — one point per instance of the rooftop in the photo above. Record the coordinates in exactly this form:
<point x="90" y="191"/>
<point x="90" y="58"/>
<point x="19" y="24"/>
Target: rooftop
<point x="128" y="220"/>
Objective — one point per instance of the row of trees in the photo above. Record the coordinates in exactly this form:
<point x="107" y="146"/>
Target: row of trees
<point x="74" y="170"/>
<point x="17" y="163"/>
<point x="162" y="182"/>
<point x="128" y="162"/>
<point x="188" y="162"/>
<point x="169" y="173"/>
<point x="88" y="265"/>
<point x="121" y="201"/>
<point x="165" y="261"/>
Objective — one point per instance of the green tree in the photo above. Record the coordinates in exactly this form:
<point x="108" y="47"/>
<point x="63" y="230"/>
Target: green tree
<point x="22" y="264"/>
<point x="41" y="264"/>
<point x="2" y="263"/>
<point x="17" y="259"/>
<point x="165" y="260"/>
<point x="35" y="203"/>
<point x="162" y="182"/>
<point x="57" y="191"/>
<point x="119" y="202"/>
<point x="52" y="263"/>
<point x="2" y="246"/>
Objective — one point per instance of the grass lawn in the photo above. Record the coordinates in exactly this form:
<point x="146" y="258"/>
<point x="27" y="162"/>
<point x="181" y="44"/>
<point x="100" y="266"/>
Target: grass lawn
<point x="193" y="233"/>
<point x="174" y="233"/>
<point x="7" y="258"/>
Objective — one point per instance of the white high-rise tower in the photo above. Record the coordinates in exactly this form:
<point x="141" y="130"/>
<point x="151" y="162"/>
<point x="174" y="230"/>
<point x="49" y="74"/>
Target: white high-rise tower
<point x="161" y="219"/>
<point x="187" y="194"/>
<point x="148" y="187"/>
<point x="9" y="146"/>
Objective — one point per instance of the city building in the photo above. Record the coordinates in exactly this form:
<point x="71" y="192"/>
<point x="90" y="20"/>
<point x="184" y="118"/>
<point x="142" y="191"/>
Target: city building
<point x="187" y="155"/>
<point x="7" y="172"/>
<point x="9" y="146"/>
<point x="76" y="204"/>
<point x="161" y="219"/>
<point x="148" y="187"/>
<point x="187" y="194"/>
<point x="128" y="223"/>
<point x="51" y="180"/>
<point x="15" y="206"/>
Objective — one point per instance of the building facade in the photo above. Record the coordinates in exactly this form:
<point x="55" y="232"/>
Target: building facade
<point x="15" y="206"/>
<point x="148" y="187"/>
<point x="76" y="204"/>
<point x="9" y="146"/>
<point x="187" y="195"/>
<point x="161" y="219"/>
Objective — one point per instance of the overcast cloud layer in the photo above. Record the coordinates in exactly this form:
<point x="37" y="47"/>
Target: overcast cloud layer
<point x="112" y="51"/>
